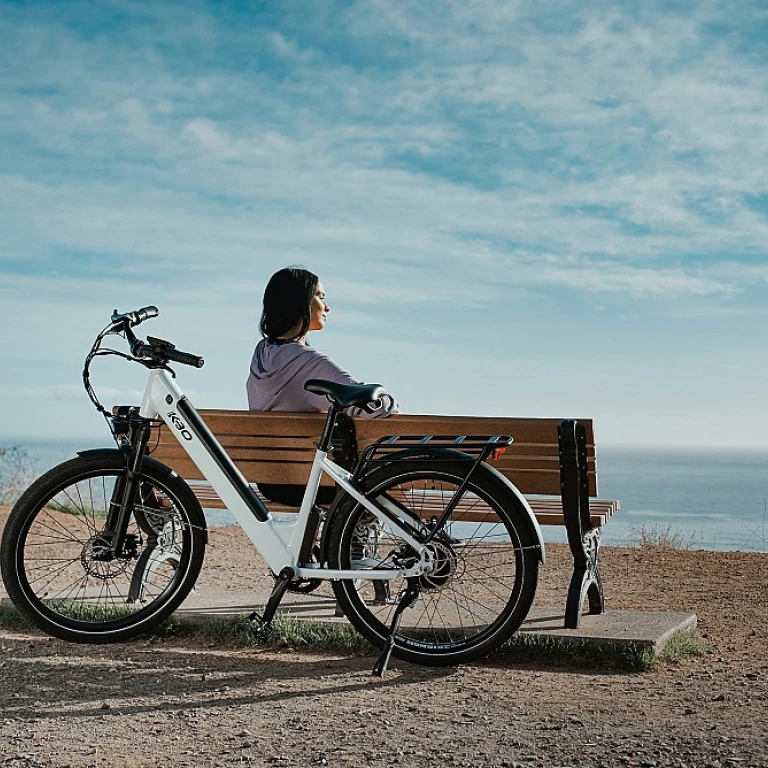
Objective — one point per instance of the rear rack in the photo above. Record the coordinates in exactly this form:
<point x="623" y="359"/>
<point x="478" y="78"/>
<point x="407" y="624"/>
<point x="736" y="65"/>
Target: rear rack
<point x="472" y="449"/>
<point x="475" y="448"/>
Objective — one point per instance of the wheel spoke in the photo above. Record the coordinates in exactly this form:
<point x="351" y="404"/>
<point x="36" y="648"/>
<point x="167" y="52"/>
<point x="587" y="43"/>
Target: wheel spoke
<point x="485" y="566"/>
<point x="59" y="568"/>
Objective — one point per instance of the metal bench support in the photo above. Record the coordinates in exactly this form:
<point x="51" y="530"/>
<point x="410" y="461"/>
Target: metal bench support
<point x="583" y="540"/>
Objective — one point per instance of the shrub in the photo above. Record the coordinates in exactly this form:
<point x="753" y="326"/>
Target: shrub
<point x="17" y="471"/>
<point x="659" y="537"/>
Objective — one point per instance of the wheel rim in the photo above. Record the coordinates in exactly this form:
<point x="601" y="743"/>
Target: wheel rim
<point x="477" y="580"/>
<point x="61" y="564"/>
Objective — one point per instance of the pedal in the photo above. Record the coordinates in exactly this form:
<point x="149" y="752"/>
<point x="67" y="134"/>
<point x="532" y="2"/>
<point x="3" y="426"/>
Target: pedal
<point x="261" y="624"/>
<point x="261" y="629"/>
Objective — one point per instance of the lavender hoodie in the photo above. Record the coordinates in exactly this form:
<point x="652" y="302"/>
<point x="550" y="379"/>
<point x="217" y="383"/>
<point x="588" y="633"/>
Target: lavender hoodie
<point x="279" y="371"/>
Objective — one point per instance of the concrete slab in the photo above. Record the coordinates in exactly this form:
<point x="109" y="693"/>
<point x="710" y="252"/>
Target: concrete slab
<point x="651" y="629"/>
<point x="646" y="629"/>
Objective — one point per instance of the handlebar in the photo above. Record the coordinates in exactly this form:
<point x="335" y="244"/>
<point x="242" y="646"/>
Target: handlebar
<point x="161" y="349"/>
<point x="153" y="349"/>
<point x="153" y="353"/>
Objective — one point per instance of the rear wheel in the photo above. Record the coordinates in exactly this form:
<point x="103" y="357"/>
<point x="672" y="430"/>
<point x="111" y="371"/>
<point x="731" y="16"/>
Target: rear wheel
<point x="55" y="556"/>
<point x="486" y="563"/>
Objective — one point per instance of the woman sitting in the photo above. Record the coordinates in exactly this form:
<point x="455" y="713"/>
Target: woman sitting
<point x="294" y="305"/>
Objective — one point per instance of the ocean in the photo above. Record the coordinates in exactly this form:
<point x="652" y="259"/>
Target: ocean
<point x="703" y="499"/>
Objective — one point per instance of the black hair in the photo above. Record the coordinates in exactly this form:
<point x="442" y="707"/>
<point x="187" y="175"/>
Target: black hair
<point x="287" y="303"/>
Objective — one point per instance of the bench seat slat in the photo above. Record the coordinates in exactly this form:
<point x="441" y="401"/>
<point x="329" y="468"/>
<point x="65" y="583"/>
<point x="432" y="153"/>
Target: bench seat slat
<point x="523" y="430"/>
<point x="297" y="473"/>
<point x="541" y="433"/>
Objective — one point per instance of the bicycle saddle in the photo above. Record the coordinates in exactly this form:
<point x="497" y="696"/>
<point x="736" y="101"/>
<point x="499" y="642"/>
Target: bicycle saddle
<point x="346" y="395"/>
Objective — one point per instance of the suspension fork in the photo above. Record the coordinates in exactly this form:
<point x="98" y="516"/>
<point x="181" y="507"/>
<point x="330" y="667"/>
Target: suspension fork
<point x="127" y="486"/>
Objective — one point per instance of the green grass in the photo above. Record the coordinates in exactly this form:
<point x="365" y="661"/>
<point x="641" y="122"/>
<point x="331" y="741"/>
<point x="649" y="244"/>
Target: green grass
<point x="286" y="631"/>
<point x="90" y="611"/>
<point x="10" y="618"/>
<point x="525" y="648"/>
<point x="682" y="645"/>
<point x="77" y="510"/>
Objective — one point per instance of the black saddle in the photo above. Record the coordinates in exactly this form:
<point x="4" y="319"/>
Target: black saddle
<point x="346" y="395"/>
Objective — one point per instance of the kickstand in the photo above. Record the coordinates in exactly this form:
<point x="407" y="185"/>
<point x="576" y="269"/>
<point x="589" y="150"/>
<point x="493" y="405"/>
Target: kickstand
<point x="261" y="624"/>
<point x="408" y="599"/>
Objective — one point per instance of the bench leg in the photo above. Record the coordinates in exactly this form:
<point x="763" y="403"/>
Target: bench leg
<point x="585" y="582"/>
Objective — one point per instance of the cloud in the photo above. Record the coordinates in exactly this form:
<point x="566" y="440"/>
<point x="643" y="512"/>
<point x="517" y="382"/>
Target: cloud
<point x="192" y="165"/>
<point x="616" y="278"/>
<point x="437" y="164"/>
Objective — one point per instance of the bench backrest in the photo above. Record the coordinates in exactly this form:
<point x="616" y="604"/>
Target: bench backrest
<point x="278" y="447"/>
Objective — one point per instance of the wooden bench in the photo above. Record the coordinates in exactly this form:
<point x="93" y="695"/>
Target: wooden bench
<point x="552" y="462"/>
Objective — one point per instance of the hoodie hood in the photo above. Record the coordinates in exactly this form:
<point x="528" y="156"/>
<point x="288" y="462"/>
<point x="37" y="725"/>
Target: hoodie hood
<point x="271" y="360"/>
<point x="278" y="374"/>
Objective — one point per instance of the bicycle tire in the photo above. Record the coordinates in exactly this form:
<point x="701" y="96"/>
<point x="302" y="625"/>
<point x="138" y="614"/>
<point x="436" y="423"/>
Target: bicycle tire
<point x="487" y="563"/>
<point x="57" y="577"/>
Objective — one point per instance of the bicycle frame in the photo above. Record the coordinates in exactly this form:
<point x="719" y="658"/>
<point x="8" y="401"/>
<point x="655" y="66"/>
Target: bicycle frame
<point x="277" y="541"/>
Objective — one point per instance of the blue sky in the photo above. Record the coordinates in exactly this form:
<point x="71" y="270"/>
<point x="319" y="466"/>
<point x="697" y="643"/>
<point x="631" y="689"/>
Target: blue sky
<point x="536" y="209"/>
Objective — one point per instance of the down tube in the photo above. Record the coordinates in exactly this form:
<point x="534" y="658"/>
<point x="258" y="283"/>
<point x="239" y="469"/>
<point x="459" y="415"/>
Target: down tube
<point x="215" y="465"/>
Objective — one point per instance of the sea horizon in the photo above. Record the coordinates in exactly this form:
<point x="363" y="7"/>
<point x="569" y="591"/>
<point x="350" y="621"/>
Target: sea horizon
<point x="697" y="497"/>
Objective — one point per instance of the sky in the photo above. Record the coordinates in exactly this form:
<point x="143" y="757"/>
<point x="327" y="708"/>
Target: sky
<point x="551" y="209"/>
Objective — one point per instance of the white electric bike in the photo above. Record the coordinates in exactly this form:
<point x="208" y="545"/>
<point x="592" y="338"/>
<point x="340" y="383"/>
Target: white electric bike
<point x="107" y="545"/>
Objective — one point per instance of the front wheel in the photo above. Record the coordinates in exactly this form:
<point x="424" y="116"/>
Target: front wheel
<point x="55" y="558"/>
<point x="486" y="559"/>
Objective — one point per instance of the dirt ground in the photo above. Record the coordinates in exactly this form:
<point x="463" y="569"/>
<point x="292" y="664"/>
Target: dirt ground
<point x="185" y="702"/>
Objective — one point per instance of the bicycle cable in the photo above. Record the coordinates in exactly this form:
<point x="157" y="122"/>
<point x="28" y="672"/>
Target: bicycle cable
<point x="155" y="354"/>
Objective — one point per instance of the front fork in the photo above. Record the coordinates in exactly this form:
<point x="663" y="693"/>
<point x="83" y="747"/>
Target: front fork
<point x="133" y="433"/>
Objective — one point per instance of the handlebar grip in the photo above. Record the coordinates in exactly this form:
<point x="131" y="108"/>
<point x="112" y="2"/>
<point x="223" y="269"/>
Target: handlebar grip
<point x="185" y="358"/>
<point x="145" y="313"/>
<point x="136" y="317"/>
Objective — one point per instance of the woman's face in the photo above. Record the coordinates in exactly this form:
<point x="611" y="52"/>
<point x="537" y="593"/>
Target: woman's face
<point x="318" y="309"/>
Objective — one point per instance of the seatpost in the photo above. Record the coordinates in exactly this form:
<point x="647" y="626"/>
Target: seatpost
<point x="330" y="421"/>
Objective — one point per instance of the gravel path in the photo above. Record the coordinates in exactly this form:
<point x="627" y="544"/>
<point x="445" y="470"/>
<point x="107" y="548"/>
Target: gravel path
<point x="182" y="702"/>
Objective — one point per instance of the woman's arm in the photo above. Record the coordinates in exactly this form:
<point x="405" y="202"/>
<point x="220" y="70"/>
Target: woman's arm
<point x="322" y="367"/>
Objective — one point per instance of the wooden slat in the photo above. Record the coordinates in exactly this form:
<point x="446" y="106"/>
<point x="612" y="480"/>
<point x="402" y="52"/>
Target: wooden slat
<point x="534" y="431"/>
<point x="267" y="423"/>
<point x="261" y="449"/>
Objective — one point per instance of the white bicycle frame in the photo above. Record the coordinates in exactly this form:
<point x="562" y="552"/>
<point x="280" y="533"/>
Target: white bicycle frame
<point x="278" y="541"/>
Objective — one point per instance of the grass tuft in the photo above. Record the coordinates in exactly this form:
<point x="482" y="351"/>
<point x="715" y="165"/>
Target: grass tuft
<point x="682" y="645"/>
<point x="286" y="631"/>
<point x="17" y="471"/>
<point x="663" y="537"/>
<point x="10" y="618"/>
<point x="554" y="651"/>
